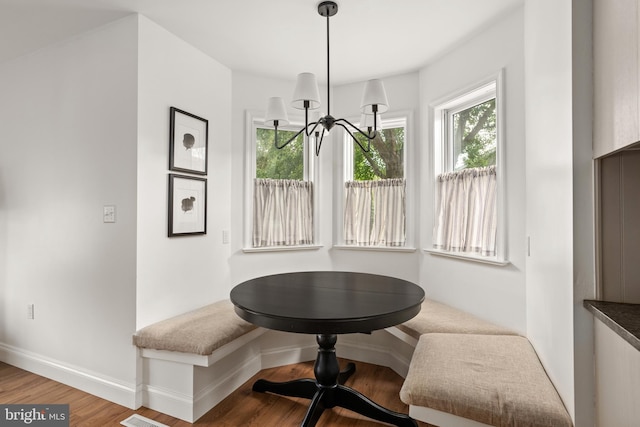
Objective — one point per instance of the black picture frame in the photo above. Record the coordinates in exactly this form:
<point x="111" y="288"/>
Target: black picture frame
<point x="187" y="205"/>
<point x="188" y="142"/>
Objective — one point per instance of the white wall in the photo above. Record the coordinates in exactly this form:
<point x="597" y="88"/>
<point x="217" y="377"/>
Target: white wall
<point x="68" y="142"/>
<point x="86" y="124"/>
<point x="549" y="189"/>
<point x="491" y="292"/>
<point x="179" y="273"/>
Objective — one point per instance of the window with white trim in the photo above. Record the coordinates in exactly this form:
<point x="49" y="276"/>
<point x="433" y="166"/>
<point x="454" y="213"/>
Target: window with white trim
<point x="468" y="179"/>
<point x="375" y="208"/>
<point x="281" y="188"/>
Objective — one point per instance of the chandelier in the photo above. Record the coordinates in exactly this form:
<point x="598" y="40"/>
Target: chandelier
<point x="306" y="96"/>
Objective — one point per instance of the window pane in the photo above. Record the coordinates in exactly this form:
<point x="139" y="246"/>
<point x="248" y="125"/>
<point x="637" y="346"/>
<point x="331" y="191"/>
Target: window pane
<point x="386" y="158"/>
<point x="474" y="136"/>
<point x="285" y="163"/>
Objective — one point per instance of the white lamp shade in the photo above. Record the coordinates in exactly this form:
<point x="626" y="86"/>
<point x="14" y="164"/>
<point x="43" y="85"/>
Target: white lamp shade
<point x="374" y="94"/>
<point x="276" y="111"/>
<point x="366" y="121"/>
<point x="306" y="90"/>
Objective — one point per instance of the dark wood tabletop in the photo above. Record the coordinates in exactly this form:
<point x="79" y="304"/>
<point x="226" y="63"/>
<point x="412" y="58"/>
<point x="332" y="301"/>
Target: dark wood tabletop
<point x="327" y="302"/>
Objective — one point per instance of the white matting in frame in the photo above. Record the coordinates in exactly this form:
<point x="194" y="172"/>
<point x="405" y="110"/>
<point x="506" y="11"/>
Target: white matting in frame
<point x="188" y="145"/>
<point x="187" y="205"/>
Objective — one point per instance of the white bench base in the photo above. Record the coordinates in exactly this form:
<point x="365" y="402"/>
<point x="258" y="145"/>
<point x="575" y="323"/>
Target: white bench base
<point x="186" y="386"/>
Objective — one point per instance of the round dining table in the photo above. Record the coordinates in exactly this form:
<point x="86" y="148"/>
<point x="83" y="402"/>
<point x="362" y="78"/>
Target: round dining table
<point x="327" y="304"/>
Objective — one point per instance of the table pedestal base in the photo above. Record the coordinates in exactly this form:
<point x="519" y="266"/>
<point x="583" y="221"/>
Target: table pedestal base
<point x="327" y="390"/>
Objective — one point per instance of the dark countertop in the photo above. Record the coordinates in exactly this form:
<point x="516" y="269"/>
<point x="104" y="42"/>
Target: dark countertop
<point x="623" y="319"/>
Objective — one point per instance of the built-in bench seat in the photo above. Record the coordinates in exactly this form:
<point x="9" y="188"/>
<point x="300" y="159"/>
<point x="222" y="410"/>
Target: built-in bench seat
<point x="200" y="331"/>
<point x="479" y="380"/>
<point x="436" y="317"/>
<point x="192" y="361"/>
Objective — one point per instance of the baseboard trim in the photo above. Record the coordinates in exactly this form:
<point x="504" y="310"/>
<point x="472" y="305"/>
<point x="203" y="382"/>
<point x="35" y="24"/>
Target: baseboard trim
<point x="214" y="394"/>
<point x="90" y="382"/>
<point x="168" y="402"/>
<point x="288" y="356"/>
<point x="374" y="352"/>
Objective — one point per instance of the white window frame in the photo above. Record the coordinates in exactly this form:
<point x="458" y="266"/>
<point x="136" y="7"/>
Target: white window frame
<point x="443" y="159"/>
<point x="253" y="121"/>
<point x="345" y="165"/>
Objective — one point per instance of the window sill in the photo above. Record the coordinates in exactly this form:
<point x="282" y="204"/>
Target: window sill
<point x="375" y="248"/>
<point x="466" y="257"/>
<point x="282" y="248"/>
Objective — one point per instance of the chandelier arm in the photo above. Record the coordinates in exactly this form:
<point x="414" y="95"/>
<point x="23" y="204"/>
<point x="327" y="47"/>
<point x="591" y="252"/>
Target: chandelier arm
<point x="288" y="141"/>
<point x="313" y="129"/>
<point x="367" y="135"/>
<point x="319" y="142"/>
<point x="366" y="150"/>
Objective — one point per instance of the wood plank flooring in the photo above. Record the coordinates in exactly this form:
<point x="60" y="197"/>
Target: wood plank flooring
<point x="242" y="408"/>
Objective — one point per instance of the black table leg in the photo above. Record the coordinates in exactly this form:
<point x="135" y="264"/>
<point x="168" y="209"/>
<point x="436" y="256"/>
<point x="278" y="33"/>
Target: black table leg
<point x="357" y="402"/>
<point x="328" y="391"/>
<point x="344" y="375"/>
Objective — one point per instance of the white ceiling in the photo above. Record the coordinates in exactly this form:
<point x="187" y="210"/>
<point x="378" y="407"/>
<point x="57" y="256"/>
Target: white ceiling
<point x="279" y="38"/>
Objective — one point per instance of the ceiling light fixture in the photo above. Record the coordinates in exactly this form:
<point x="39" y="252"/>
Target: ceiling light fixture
<point x="307" y="97"/>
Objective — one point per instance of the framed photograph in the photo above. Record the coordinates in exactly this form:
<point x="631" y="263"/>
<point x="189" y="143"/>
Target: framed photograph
<point x="189" y="138"/>
<point x="187" y="205"/>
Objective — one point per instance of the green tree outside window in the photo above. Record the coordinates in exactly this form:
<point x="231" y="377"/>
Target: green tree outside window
<point x="385" y="160"/>
<point x="285" y="163"/>
<point x="474" y="136"/>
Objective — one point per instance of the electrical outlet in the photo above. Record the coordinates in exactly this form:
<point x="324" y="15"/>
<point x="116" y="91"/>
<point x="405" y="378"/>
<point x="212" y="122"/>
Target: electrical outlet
<point x="225" y="236"/>
<point x="30" y="312"/>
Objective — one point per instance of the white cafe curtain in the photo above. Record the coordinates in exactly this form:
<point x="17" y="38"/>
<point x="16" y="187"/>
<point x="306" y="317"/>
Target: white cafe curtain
<point x="374" y="213"/>
<point x="466" y="211"/>
<point x="282" y="212"/>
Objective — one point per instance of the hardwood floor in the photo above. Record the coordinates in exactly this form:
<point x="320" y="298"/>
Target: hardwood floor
<point x="242" y="408"/>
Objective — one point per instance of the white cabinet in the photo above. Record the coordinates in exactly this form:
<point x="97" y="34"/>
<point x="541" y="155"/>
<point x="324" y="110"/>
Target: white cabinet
<point x="617" y="379"/>
<point x="616" y="51"/>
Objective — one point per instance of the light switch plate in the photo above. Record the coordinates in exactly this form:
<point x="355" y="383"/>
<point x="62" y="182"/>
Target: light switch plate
<point x="109" y="213"/>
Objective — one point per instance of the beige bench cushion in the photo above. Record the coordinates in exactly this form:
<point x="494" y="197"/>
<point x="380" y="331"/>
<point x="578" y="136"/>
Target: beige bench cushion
<point x="493" y="379"/>
<point x="435" y="317"/>
<point x="200" y="331"/>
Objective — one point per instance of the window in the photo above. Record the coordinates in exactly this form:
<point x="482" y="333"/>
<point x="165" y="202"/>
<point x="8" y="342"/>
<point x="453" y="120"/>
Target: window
<point x="473" y="136"/>
<point x="281" y="188"/>
<point x="375" y="188"/>
<point x="467" y="175"/>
